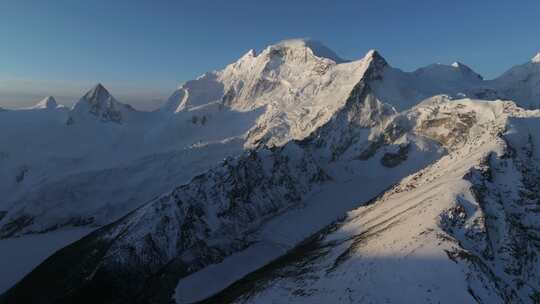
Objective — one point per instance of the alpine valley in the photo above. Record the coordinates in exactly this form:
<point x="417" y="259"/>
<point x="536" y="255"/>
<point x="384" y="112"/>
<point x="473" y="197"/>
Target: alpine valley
<point x="290" y="176"/>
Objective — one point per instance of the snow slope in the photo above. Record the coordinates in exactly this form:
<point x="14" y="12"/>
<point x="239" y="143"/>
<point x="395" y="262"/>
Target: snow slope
<point x="18" y="256"/>
<point x="435" y="234"/>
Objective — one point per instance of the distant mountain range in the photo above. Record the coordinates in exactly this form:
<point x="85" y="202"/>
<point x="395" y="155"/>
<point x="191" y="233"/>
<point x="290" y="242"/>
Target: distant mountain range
<point x="289" y="176"/>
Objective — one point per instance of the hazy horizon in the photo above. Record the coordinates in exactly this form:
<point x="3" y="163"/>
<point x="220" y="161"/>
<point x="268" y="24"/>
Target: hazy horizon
<point x="20" y="94"/>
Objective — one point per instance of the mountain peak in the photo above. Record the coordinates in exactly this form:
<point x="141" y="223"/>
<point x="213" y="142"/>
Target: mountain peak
<point x="250" y="53"/>
<point x="374" y="55"/>
<point x="377" y="64"/>
<point x="455" y="71"/>
<point x="318" y="48"/>
<point x="247" y="57"/>
<point x="536" y="58"/>
<point x="46" y="103"/>
<point x="460" y="65"/>
<point x="97" y="92"/>
<point x="100" y="103"/>
<point x="466" y="69"/>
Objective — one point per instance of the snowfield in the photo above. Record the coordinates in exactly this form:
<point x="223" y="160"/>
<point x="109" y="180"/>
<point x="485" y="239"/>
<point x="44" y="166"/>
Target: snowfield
<point x="18" y="256"/>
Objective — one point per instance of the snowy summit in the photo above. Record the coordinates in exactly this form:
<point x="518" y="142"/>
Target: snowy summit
<point x="100" y="104"/>
<point x="317" y="47"/>
<point x="536" y="59"/>
<point x="46" y="103"/>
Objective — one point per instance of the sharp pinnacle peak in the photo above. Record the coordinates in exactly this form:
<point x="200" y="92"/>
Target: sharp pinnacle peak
<point x="376" y="57"/>
<point x="97" y="91"/>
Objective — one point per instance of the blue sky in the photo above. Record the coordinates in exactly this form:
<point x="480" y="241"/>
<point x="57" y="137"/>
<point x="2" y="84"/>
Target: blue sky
<point x="141" y="49"/>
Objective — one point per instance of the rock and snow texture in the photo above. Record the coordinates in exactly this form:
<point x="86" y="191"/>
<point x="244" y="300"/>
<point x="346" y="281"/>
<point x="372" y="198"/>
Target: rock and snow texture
<point x="100" y="104"/>
<point x="299" y="82"/>
<point x="231" y="208"/>
<point x="461" y="230"/>
<point x="326" y="136"/>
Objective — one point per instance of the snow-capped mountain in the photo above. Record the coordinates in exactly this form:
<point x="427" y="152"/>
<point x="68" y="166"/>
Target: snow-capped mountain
<point x="133" y="155"/>
<point x="91" y="170"/>
<point x="521" y="83"/>
<point x="242" y="205"/>
<point x="101" y="105"/>
<point x="405" y="89"/>
<point x="236" y="206"/>
<point x="300" y="82"/>
<point x="461" y="230"/>
<point x="248" y="171"/>
<point x="46" y="103"/>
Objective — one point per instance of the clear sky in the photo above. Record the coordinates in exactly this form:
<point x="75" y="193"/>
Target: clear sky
<point x="142" y="49"/>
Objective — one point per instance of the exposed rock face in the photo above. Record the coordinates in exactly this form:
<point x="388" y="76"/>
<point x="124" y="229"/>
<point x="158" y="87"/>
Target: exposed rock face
<point x="361" y="112"/>
<point x="391" y="159"/>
